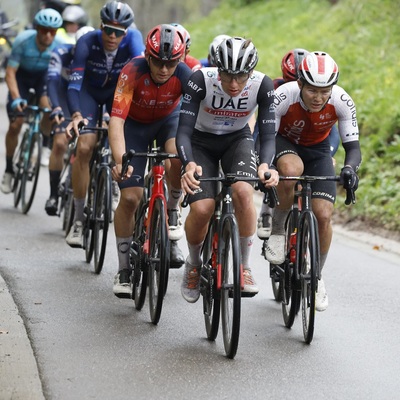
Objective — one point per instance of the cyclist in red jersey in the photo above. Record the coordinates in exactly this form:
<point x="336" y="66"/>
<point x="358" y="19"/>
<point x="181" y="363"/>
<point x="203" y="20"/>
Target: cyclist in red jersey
<point x="146" y="108"/>
<point x="305" y="112"/>
<point x="193" y="63"/>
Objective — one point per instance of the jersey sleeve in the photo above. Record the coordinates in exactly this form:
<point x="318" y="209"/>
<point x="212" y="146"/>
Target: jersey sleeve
<point x="266" y="121"/>
<point x="53" y="78"/>
<point x="77" y="74"/>
<point x="137" y="46"/>
<point x="193" y="93"/>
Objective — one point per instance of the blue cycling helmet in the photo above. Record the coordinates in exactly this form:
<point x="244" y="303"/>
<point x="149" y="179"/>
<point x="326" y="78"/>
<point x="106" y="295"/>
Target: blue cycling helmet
<point x="48" y="18"/>
<point x="116" y="12"/>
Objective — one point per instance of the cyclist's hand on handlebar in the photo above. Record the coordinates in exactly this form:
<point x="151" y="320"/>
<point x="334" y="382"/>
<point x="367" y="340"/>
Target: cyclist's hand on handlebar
<point x="75" y="125"/>
<point x="18" y="104"/>
<point x="264" y="172"/>
<point x="189" y="178"/>
<point x="57" y="116"/>
<point x="116" y="173"/>
<point x="349" y="179"/>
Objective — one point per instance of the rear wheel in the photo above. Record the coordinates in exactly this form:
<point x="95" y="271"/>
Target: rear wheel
<point x="31" y="172"/>
<point x="308" y="264"/>
<point x="102" y="214"/>
<point x="208" y="283"/>
<point x="231" y="287"/>
<point x="158" y="260"/>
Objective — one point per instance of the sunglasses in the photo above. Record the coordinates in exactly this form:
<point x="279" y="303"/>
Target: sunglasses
<point x="109" y="30"/>
<point x="161" y="63"/>
<point x="239" y="78"/>
<point x="44" y="31"/>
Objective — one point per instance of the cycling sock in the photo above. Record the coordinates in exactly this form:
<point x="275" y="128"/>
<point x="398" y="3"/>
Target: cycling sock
<point x="246" y="245"/>
<point x="174" y="196"/>
<point x="322" y="259"/>
<point x="46" y="140"/>
<point x="9" y="165"/>
<point x="265" y="209"/>
<point x="195" y="253"/>
<point x="79" y="205"/>
<point x="54" y="180"/>
<point x="278" y="221"/>
<point x="123" y="245"/>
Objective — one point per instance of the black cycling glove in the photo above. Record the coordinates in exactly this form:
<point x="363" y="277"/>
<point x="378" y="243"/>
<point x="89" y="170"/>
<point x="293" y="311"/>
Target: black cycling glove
<point x="348" y="178"/>
<point x="56" y="113"/>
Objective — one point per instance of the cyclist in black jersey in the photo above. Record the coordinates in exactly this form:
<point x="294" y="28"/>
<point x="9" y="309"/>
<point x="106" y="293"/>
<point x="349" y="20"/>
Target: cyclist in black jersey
<point x="213" y="130"/>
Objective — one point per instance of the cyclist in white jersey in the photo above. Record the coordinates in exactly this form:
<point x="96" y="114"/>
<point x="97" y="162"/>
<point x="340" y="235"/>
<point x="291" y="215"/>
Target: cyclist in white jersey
<point x="213" y="130"/>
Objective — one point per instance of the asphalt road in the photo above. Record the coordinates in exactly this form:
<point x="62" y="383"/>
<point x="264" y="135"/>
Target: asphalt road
<point x="84" y="343"/>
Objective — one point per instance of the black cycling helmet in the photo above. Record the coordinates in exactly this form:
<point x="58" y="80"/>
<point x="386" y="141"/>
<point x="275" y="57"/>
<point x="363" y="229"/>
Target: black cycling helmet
<point x="165" y="42"/>
<point x="236" y="55"/>
<point x="118" y="13"/>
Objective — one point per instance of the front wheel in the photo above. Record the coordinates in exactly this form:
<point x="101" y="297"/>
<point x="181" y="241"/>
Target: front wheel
<point x="308" y="258"/>
<point x="229" y="248"/>
<point x="101" y="221"/>
<point x="30" y="175"/>
<point x="18" y="164"/>
<point x="158" y="260"/>
<point x="88" y="242"/>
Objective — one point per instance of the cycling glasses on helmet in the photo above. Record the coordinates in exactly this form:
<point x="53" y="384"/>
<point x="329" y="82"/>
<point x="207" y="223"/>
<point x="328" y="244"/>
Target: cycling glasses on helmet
<point x="109" y="30"/>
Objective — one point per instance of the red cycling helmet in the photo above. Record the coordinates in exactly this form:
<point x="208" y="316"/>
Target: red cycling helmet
<point x="290" y="64"/>
<point x="319" y="69"/>
<point x="165" y="42"/>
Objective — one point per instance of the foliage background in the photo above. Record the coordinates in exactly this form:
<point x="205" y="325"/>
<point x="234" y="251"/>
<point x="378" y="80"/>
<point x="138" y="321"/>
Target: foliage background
<point x="363" y="38"/>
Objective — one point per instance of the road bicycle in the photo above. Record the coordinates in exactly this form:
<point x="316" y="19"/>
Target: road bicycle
<point x="295" y="281"/>
<point x="221" y="276"/>
<point x="97" y="210"/>
<point x="150" y="250"/>
<point x="26" y="160"/>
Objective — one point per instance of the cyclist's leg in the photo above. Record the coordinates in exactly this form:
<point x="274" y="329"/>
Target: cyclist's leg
<point x="80" y="168"/>
<point x="59" y="147"/>
<point x="289" y="163"/>
<point x="240" y="159"/>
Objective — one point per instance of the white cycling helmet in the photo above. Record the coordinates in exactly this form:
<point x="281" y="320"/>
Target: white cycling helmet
<point x="236" y="56"/>
<point x="319" y="69"/>
<point x="213" y="47"/>
<point x="83" y="31"/>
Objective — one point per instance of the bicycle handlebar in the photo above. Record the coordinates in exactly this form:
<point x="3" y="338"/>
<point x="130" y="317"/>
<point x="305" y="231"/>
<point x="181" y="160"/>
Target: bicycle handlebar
<point x="127" y="157"/>
<point x="350" y="192"/>
<point x="230" y="179"/>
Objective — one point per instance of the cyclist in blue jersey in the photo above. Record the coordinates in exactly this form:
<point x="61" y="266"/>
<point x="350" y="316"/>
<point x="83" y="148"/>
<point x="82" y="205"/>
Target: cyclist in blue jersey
<point x="57" y="85"/>
<point x="99" y="58"/>
<point x="26" y="69"/>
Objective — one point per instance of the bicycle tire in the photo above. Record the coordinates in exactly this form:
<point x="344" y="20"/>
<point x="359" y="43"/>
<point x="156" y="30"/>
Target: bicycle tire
<point x="158" y="260"/>
<point x="18" y="165"/>
<point x="30" y="175"/>
<point x="290" y="295"/>
<point x="88" y="242"/>
<point x="308" y="264"/>
<point x="208" y="284"/>
<point x="102" y="217"/>
<point x="231" y="286"/>
<point x="139" y="258"/>
<point x="69" y="212"/>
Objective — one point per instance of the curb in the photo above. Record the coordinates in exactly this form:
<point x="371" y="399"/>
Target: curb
<point x="19" y="375"/>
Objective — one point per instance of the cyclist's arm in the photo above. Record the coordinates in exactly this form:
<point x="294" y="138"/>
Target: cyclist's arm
<point x="53" y="79"/>
<point x="11" y="80"/>
<point x="194" y="93"/>
<point x="118" y="147"/>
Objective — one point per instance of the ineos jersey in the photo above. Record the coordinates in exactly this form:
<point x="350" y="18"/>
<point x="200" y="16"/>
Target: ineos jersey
<point x="138" y="97"/>
<point x="207" y="108"/>
<point x="305" y="128"/>
<point x="90" y="64"/>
